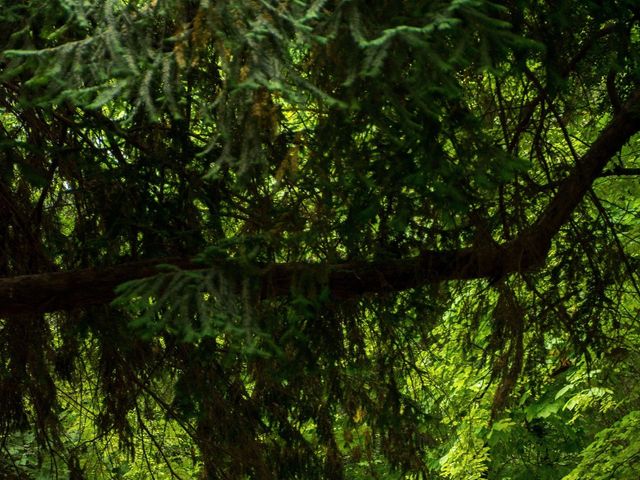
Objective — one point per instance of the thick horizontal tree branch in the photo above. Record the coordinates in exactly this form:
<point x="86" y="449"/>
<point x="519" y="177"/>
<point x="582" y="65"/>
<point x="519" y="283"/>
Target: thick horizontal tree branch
<point x="65" y="290"/>
<point x="621" y="172"/>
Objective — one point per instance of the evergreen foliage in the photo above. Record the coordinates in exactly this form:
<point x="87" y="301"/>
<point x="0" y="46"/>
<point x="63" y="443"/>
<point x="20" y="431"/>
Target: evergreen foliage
<point x="393" y="239"/>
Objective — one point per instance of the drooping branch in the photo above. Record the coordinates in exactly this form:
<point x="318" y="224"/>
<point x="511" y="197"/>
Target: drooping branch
<point x="65" y="290"/>
<point x="571" y="191"/>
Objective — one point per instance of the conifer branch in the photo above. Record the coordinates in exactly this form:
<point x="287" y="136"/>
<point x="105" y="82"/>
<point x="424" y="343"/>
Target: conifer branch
<point x="48" y="292"/>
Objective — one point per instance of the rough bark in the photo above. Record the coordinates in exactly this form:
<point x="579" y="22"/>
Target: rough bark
<point x="65" y="290"/>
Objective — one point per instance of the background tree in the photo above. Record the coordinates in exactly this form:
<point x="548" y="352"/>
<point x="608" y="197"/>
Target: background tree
<point x="344" y="239"/>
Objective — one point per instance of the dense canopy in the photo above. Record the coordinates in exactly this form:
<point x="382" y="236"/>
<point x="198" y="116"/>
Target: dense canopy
<point x="298" y="239"/>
